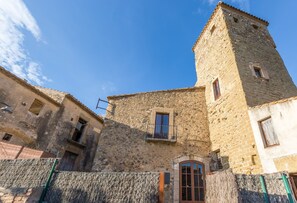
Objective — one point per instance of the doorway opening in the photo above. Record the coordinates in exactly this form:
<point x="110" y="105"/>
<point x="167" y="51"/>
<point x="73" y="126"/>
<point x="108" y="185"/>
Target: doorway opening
<point x="192" y="182"/>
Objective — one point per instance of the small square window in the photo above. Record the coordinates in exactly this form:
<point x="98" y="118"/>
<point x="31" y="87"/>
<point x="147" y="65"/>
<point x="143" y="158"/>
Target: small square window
<point x="7" y="137"/>
<point x="235" y="20"/>
<point x="268" y="133"/>
<point x="258" y="72"/>
<point x="216" y="89"/>
<point x="255" y="26"/>
<point x="36" y="107"/>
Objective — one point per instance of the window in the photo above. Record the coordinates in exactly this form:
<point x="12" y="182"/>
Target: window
<point x="161" y="126"/>
<point x="212" y="29"/>
<point x="268" y="133"/>
<point x="192" y="184"/>
<point x="36" y="107"/>
<point x="235" y="20"/>
<point x="293" y="179"/>
<point x="258" y="72"/>
<point x="7" y="137"/>
<point x="79" y="129"/>
<point x="255" y="26"/>
<point x="218" y="159"/>
<point x="216" y="89"/>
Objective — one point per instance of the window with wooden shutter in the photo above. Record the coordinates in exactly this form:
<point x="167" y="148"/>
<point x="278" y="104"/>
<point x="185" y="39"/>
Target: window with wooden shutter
<point x="268" y="132"/>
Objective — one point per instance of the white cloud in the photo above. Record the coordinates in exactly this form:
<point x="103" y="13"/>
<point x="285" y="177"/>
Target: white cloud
<point x="14" y="18"/>
<point x="108" y="87"/>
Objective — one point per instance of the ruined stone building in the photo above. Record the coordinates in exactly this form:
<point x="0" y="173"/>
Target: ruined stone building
<point x="48" y="120"/>
<point x="239" y="114"/>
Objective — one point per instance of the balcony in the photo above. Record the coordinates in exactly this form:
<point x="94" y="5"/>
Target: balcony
<point x="76" y="143"/>
<point x="167" y="133"/>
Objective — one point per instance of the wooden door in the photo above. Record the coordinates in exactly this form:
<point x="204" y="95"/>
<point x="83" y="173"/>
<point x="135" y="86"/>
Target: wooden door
<point x="293" y="179"/>
<point x="192" y="182"/>
<point x="68" y="161"/>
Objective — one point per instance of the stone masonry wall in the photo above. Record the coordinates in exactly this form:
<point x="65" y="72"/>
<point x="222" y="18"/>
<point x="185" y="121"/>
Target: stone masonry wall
<point x="52" y="128"/>
<point x="86" y="150"/>
<point x="122" y="144"/>
<point x="255" y="46"/>
<point x="229" y="126"/>
<point x="23" y="180"/>
<point x="25" y="126"/>
<point x="103" y="187"/>
<point x="244" y="188"/>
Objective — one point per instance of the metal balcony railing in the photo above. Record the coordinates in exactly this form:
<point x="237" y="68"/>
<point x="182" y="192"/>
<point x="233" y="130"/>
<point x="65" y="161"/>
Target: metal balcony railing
<point x="161" y="133"/>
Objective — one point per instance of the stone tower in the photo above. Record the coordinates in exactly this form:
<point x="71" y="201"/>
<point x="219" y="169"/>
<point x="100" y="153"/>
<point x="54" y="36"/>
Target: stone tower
<point x="237" y="62"/>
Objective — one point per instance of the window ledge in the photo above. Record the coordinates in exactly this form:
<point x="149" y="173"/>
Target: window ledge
<point x="159" y="140"/>
<point x="262" y="78"/>
<point x="270" y="146"/>
<point x="78" y="144"/>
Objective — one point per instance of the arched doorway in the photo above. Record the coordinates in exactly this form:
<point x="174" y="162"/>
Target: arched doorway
<point x="191" y="182"/>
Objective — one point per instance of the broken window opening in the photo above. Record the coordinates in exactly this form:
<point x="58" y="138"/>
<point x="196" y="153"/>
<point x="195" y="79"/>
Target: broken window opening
<point x="36" y="107"/>
<point x="79" y="130"/>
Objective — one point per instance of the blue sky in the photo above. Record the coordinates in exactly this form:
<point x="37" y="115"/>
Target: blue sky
<point x="96" y="48"/>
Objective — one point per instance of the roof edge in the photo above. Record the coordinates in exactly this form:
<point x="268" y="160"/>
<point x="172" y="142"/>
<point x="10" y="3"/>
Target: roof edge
<point x="27" y="85"/>
<point x="157" y="91"/>
<point x="274" y="102"/>
<point x="224" y="5"/>
<point x="84" y="107"/>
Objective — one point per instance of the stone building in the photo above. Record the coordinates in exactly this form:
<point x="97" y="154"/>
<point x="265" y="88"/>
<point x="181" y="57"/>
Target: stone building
<point x="189" y="132"/>
<point x="48" y="120"/>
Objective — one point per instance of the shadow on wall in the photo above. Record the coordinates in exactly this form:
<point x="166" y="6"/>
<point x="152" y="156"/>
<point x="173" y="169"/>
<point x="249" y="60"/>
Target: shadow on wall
<point x="103" y="187"/>
<point x="218" y="163"/>
<point x="248" y="196"/>
<point x="79" y="196"/>
<point x="226" y="187"/>
<point x="124" y="148"/>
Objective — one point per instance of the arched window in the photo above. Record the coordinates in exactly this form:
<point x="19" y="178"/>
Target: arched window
<point x="192" y="182"/>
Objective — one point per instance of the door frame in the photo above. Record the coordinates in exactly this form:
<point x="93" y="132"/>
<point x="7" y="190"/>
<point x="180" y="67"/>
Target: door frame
<point x="192" y="180"/>
<point x="294" y="186"/>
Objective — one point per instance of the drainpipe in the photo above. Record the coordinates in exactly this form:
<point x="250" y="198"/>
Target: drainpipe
<point x="266" y="198"/>
<point x="288" y="188"/>
<point x="45" y="189"/>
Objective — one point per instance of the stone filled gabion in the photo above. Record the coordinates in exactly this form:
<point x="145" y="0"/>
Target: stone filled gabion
<point x="104" y="187"/>
<point x="24" y="173"/>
